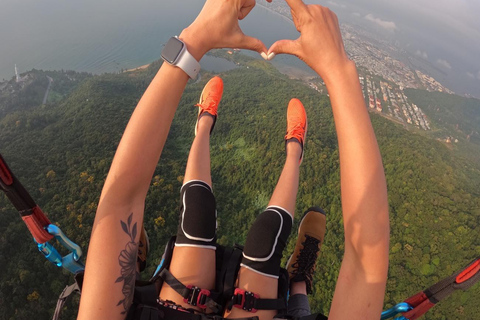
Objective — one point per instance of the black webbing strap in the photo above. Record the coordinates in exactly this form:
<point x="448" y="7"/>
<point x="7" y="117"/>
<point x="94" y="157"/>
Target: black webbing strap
<point x="315" y="316"/>
<point x="175" y="314"/>
<point x="145" y="312"/>
<point x="66" y="293"/>
<point x="145" y="293"/>
<point x="192" y="295"/>
<point x="16" y="193"/>
<point x="230" y="267"/>
<point x="30" y="212"/>
<point x="269" y="304"/>
<point x="63" y="297"/>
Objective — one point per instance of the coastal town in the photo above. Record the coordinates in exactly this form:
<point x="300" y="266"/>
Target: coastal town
<point x="384" y="69"/>
<point x="383" y="76"/>
<point x="384" y="98"/>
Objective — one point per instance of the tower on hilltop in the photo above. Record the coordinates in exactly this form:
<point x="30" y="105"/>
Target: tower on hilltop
<point x="16" y="74"/>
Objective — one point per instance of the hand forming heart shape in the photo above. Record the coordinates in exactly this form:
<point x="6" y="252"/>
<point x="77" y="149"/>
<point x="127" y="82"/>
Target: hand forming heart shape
<point x="320" y="44"/>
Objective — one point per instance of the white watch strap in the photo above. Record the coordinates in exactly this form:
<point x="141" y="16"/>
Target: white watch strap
<point x="189" y="64"/>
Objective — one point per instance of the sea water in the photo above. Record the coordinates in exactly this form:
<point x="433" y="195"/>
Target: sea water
<point x="101" y="36"/>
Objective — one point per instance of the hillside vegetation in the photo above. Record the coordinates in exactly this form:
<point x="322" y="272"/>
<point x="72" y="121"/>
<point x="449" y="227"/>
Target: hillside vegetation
<point x="62" y="152"/>
<point x="455" y="118"/>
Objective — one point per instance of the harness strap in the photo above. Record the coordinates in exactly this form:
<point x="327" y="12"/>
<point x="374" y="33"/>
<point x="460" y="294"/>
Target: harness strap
<point x="230" y="267"/>
<point x="314" y="316"/>
<point x="31" y="214"/>
<point x="177" y="314"/>
<point x="192" y="295"/>
<point x="145" y="312"/>
<point x="66" y="293"/>
<point x="63" y="298"/>
<point x="461" y="280"/>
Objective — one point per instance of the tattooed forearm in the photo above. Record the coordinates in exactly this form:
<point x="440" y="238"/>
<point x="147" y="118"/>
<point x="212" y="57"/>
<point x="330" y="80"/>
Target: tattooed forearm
<point x="127" y="260"/>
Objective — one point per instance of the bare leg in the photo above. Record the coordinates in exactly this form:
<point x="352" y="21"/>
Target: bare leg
<point x="198" y="164"/>
<point x="284" y="196"/>
<point x="285" y="193"/>
<point x="193" y="265"/>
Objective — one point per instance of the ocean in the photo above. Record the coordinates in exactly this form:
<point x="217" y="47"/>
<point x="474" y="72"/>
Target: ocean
<point x="109" y="36"/>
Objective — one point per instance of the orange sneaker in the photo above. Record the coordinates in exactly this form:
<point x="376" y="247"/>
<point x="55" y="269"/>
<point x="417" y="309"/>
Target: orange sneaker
<point x="296" y="124"/>
<point x="209" y="100"/>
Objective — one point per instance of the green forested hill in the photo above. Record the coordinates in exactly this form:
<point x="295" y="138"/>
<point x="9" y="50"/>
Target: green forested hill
<point x="453" y="117"/>
<point x="62" y="151"/>
<point x="30" y="91"/>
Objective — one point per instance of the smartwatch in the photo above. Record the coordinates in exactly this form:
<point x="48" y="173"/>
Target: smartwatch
<point x="175" y="53"/>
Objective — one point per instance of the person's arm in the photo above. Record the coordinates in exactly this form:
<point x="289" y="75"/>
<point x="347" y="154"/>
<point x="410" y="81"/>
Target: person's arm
<point x="110" y="270"/>
<point x="361" y="284"/>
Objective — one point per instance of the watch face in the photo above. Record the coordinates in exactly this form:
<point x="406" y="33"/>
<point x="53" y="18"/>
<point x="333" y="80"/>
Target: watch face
<point x="172" y="49"/>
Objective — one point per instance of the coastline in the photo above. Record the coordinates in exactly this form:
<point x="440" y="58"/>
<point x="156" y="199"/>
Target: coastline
<point x="275" y="12"/>
<point x="145" y="66"/>
<point x="292" y="72"/>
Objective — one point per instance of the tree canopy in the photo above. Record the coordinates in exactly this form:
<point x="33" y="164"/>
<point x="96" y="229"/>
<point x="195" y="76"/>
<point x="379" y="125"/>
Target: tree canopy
<point x="62" y="151"/>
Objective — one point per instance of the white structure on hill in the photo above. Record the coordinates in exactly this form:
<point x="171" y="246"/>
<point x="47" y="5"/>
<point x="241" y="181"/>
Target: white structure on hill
<point x="16" y="74"/>
<point x="18" y="77"/>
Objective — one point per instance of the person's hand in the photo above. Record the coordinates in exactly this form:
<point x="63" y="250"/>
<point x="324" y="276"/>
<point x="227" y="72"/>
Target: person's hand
<point x="320" y="44"/>
<point x="217" y="27"/>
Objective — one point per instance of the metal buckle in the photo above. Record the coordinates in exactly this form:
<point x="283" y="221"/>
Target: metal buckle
<point x="70" y="261"/>
<point x="247" y="300"/>
<point x="197" y="297"/>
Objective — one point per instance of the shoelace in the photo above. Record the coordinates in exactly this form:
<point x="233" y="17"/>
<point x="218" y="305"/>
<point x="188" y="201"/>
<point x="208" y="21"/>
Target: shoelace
<point x="207" y="108"/>
<point x="304" y="266"/>
<point x="298" y="130"/>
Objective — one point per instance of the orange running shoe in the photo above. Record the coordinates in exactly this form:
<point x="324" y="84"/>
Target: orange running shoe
<point x="296" y="124"/>
<point x="209" y="100"/>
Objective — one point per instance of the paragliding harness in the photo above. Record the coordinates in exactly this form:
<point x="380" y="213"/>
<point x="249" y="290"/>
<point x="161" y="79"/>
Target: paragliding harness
<point x="146" y="305"/>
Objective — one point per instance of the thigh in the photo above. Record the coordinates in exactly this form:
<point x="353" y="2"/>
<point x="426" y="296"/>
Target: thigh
<point x="266" y="287"/>
<point x="260" y="266"/>
<point x="191" y="266"/>
<point x="193" y="259"/>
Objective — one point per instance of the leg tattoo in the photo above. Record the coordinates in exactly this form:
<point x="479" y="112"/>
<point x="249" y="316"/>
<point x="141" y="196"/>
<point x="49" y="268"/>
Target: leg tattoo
<point x="127" y="260"/>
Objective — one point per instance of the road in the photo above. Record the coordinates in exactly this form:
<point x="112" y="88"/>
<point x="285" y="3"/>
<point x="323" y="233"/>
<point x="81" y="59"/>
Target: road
<point x="50" y="80"/>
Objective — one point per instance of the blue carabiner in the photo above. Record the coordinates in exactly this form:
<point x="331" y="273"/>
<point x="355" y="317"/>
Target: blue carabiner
<point x="50" y="253"/>
<point x="70" y="261"/>
<point x="399" y="308"/>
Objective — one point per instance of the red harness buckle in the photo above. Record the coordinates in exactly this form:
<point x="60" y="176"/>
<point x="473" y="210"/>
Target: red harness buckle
<point x="245" y="300"/>
<point x="197" y="297"/>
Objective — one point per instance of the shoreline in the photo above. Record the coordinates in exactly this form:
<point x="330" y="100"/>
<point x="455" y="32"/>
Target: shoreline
<point x="292" y="72"/>
<point x="275" y="12"/>
<point x="145" y="66"/>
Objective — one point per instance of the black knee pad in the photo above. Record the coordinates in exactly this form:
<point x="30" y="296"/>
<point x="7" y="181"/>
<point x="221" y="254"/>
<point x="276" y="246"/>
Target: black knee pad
<point x="198" y="216"/>
<point x="266" y="240"/>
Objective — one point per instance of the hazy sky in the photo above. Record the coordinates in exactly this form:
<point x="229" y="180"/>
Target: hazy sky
<point x="444" y="32"/>
<point x="54" y="34"/>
